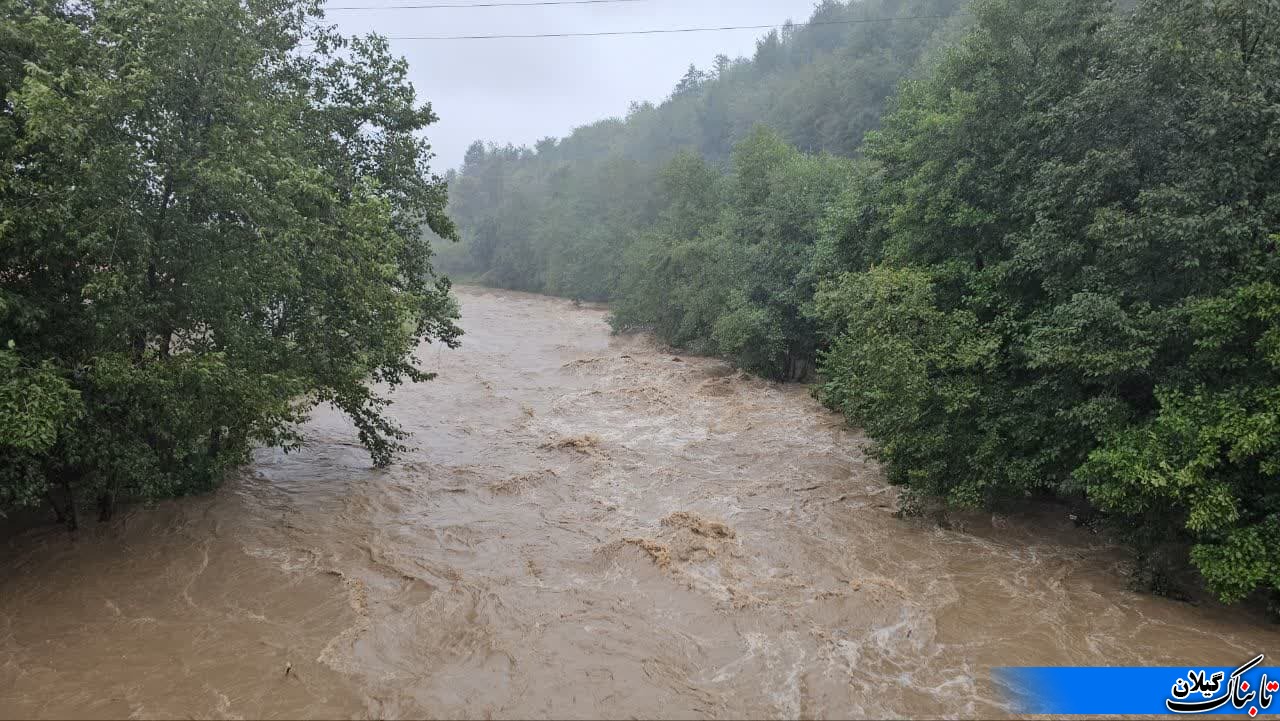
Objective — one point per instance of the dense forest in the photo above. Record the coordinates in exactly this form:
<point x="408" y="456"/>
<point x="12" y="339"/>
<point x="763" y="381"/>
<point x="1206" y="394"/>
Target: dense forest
<point x="557" y="218"/>
<point x="1029" y="245"/>
<point x="204" y="232"/>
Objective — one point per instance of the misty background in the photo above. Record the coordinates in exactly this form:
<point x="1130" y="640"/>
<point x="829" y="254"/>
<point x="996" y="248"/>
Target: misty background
<point x="521" y="90"/>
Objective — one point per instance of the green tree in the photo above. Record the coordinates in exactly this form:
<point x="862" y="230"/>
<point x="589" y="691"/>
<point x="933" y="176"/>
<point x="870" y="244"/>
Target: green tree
<point x="540" y="221"/>
<point x="780" y="197"/>
<point x="1201" y="459"/>
<point x="205" y="231"/>
<point x="1072" y="222"/>
<point x="673" y="281"/>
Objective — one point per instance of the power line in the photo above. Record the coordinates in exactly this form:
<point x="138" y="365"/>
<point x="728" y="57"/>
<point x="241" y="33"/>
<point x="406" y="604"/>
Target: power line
<point x="664" y="31"/>
<point x="444" y="6"/>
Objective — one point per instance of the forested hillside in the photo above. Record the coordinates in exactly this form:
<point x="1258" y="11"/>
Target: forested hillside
<point x="1032" y="249"/>
<point x="557" y="218"/>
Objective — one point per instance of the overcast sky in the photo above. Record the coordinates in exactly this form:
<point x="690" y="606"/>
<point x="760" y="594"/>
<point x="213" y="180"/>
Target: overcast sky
<point x="524" y="89"/>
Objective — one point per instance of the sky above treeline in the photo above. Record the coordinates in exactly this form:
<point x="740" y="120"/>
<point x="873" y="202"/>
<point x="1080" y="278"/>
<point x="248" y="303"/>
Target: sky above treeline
<point x="521" y="90"/>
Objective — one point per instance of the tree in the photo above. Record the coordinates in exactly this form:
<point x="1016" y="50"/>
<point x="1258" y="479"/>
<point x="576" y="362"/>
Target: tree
<point x="780" y="197"/>
<point x="537" y="221"/>
<point x="722" y="65"/>
<point x="1071" y="223"/>
<point x="1200" y="461"/>
<point x="691" y="82"/>
<point x="724" y="270"/>
<point x="205" y="232"/>
<point x="672" y="280"/>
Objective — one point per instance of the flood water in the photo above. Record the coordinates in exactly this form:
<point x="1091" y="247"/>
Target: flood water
<point x="586" y="526"/>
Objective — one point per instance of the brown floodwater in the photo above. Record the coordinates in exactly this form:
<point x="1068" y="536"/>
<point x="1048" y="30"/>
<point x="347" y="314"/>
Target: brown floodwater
<point x="586" y="526"/>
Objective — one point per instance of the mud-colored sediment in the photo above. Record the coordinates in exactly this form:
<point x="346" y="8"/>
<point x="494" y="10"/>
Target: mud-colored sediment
<point x="587" y="527"/>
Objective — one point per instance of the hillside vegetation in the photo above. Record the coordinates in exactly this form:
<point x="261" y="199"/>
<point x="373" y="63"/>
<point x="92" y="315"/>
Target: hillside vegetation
<point x="1031" y="247"/>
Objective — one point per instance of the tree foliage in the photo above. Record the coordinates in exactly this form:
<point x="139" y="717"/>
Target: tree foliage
<point x="1051" y="269"/>
<point x="727" y="269"/>
<point x="561" y="217"/>
<point x="205" y="230"/>
<point x="1073" y="223"/>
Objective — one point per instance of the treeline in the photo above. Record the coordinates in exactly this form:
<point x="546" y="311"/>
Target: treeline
<point x="1051" y="271"/>
<point x="211" y="220"/>
<point x="556" y="218"/>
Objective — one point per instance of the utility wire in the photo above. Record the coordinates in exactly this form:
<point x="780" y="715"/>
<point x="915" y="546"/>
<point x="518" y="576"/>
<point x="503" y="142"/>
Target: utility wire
<point x="665" y="31"/>
<point x="444" y="6"/>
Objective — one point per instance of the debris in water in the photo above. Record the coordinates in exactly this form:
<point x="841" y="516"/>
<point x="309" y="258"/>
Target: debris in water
<point x="521" y="483"/>
<point x="716" y="387"/>
<point x="582" y="363"/>
<point x="699" y="525"/>
<point x="660" y="554"/>
<point x="741" y="600"/>
<point x="359" y="596"/>
<point x="583" y="444"/>
<point x="886" y="583"/>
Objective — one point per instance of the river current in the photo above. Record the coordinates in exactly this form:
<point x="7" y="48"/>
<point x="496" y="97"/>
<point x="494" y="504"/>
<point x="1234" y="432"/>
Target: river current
<point x="586" y="526"/>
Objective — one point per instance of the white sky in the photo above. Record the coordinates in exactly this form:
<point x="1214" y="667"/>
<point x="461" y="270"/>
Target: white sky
<point x="521" y="90"/>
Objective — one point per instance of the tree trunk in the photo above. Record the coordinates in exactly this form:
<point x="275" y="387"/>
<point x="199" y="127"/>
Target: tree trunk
<point x="71" y="519"/>
<point x="106" y="506"/>
<point x="59" y="516"/>
<point x="215" y="443"/>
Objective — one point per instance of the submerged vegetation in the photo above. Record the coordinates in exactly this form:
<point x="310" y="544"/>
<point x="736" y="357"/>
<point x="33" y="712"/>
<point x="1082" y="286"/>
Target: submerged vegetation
<point x="204" y="232"/>
<point x="1029" y="245"/>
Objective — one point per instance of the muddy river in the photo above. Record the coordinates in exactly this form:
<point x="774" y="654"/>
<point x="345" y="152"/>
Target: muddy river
<point x="586" y="526"/>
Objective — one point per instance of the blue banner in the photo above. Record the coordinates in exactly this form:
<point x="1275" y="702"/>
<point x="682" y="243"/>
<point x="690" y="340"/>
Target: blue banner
<point x="1244" y="690"/>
